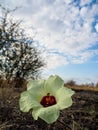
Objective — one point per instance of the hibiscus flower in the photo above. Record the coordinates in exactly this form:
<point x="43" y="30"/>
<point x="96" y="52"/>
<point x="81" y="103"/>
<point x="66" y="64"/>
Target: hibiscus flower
<point x="46" y="98"/>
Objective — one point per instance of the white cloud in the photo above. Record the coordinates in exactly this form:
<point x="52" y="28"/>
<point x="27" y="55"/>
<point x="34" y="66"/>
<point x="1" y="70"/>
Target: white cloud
<point x="85" y="2"/>
<point x="96" y="27"/>
<point x="61" y="26"/>
<point x="54" y="60"/>
<point x="84" y="56"/>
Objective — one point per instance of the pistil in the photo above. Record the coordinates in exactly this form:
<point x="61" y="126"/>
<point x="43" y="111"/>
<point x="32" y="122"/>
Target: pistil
<point x="48" y="100"/>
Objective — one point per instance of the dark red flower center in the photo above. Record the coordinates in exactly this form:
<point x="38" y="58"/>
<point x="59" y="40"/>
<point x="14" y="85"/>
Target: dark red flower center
<point x="48" y="100"/>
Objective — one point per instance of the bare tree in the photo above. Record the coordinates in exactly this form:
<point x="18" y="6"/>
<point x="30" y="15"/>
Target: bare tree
<point x="70" y="83"/>
<point x="19" y="59"/>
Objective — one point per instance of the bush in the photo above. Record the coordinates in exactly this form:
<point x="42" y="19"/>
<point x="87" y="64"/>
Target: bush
<point x="19" y="59"/>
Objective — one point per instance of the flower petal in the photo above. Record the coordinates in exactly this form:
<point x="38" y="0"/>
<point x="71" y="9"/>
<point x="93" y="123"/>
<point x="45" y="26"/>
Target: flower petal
<point x="53" y="84"/>
<point x="38" y="91"/>
<point x="33" y="83"/>
<point x="49" y="114"/>
<point x="27" y="102"/>
<point x="63" y="97"/>
<point x="65" y="103"/>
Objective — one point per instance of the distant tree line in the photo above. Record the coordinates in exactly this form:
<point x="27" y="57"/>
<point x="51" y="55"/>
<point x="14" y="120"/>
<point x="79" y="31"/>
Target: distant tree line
<point x="73" y="83"/>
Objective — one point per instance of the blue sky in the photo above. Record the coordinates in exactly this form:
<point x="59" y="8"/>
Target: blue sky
<point x="67" y="33"/>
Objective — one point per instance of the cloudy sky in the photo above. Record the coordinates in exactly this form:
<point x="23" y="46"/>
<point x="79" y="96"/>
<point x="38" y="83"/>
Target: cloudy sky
<point x="67" y="31"/>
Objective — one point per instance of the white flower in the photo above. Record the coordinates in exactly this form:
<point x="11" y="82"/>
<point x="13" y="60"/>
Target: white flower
<point x="46" y="98"/>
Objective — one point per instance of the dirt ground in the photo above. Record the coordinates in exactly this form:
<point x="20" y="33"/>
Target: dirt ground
<point x="82" y="115"/>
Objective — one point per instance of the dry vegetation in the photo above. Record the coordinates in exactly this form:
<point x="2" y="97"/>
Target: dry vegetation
<point x="83" y="87"/>
<point x="87" y="86"/>
<point x="82" y="115"/>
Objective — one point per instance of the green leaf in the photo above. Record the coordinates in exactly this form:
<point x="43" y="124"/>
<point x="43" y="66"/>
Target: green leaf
<point x="27" y="102"/>
<point x="49" y="114"/>
<point x="53" y="84"/>
<point x="63" y="97"/>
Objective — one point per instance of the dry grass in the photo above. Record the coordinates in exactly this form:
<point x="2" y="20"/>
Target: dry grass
<point x="83" y="88"/>
<point x="7" y="95"/>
